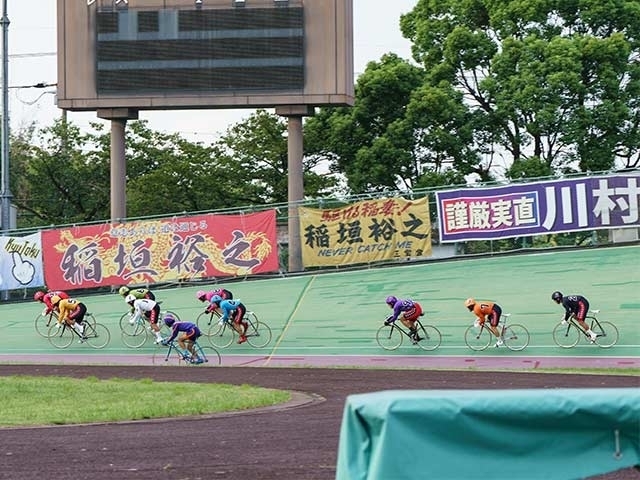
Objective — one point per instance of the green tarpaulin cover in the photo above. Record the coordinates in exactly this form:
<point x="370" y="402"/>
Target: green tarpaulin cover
<point x="489" y="434"/>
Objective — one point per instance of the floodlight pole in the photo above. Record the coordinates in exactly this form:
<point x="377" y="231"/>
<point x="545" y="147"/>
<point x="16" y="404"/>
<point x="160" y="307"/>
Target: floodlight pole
<point x="5" y="194"/>
<point x="295" y="183"/>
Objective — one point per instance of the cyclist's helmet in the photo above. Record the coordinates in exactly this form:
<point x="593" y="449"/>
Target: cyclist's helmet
<point x="55" y="300"/>
<point x="200" y="295"/>
<point x="38" y="296"/>
<point x="169" y="320"/>
<point x="391" y="300"/>
<point x="216" y="299"/>
<point x="469" y="303"/>
<point x="556" y="297"/>
<point x="130" y="298"/>
<point x="124" y="291"/>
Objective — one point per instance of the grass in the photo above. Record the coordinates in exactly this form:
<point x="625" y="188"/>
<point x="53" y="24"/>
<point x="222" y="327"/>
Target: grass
<point x="29" y="401"/>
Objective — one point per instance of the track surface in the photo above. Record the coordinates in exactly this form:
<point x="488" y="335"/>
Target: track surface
<point x="299" y="442"/>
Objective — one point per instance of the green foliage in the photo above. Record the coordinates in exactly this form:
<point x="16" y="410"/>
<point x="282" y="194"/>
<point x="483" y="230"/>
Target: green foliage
<point x="60" y="179"/>
<point x="63" y="401"/>
<point x="553" y="81"/>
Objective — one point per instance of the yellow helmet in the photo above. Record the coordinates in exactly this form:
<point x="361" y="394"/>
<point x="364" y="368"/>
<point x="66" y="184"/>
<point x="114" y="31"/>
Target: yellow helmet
<point x="469" y="302"/>
<point x="124" y="291"/>
<point x="55" y="300"/>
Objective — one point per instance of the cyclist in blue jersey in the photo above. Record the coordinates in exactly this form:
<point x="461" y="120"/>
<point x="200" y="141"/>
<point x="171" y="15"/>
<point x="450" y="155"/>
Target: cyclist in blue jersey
<point x="186" y="333"/>
<point x="234" y="311"/>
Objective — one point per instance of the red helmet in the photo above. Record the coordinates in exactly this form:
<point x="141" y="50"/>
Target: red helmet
<point x="38" y="296"/>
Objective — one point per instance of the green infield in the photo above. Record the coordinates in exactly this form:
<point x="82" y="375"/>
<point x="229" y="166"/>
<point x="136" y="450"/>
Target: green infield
<point x="29" y="401"/>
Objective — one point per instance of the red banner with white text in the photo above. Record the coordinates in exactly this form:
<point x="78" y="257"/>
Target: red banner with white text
<point x="160" y="250"/>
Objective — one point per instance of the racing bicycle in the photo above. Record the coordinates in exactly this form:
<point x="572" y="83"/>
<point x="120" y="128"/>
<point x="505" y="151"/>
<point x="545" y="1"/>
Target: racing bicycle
<point x="135" y="335"/>
<point x="95" y="334"/>
<point x="44" y="321"/>
<point x="174" y="355"/>
<point x="390" y="336"/>
<point x="568" y="335"/>
<point x="221" y="333"/>
<point x="515" y="336"/>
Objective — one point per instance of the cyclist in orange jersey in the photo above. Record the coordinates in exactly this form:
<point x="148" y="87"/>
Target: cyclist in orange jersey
<point x="484" y="311"/>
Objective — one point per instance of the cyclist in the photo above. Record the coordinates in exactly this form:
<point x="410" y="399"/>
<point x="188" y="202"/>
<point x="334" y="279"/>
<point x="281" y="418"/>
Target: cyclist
<point x="139" y="293"/>
<point x="233" y="310"/>
<point x="576" y="306"/>
<point x="484" y="311"/>
<point x="46" y="299"/>
<point x="148" y="309"/>
<point x="407" y="311"/>
<point x="207" y="296"/>
<point x="70" y="311"/>
<point x="186" y="339"/>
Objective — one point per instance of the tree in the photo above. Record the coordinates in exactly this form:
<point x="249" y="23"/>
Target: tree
<point x="369" y="143"/>
<point x="553" y="80"/>
<point x="57" y="178"/>
<point x="257" y="149"/>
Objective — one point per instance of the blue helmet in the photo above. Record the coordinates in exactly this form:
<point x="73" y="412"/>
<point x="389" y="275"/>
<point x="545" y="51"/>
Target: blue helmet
<point x="216" y="299"/>
<point x="169" y="320"/>
<point x="391" y="300"/>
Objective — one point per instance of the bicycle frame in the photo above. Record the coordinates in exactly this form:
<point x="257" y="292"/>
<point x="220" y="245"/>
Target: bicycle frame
<point x="607" y="333"/>
<point x="430" y="336"/>
<point x="517" y="336"/>
<point x="209" y="355"/>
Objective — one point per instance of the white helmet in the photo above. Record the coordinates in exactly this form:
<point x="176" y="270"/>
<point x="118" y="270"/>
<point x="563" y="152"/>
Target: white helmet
<point x="130" y="298"/>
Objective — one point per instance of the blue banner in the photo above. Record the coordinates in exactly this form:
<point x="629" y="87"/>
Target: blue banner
<point x="589" y="203"/>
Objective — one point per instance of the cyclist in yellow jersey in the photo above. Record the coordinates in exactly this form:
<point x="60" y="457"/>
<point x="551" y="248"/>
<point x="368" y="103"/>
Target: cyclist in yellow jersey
<point x="70" y="311"/>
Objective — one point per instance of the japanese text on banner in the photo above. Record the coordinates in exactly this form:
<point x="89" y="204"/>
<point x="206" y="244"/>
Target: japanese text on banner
<point x="365" y="232"/>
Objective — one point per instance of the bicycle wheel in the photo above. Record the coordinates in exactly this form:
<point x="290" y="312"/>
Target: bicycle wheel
<point x="136" y="336"/>
<point x="221" y="336"/>
<point x="607" y="334"/>
<point x="258" y="334"/>
<point x="389" y="337"/>
<point x="205" y="321"/>
<point x="210" y="356"/>
<point x="60" y="337"/>
<point x="430" y="337"/>
<point x="97" y="336"/>
<point x="566" y="336"/>
<point x="90" y="319"/>
<point x="43" y="324"/>
<point x="515" y="337"/>
<point x="477" y="339"/>
<point x="162" y="356"/>
<point x="125" y="324"/>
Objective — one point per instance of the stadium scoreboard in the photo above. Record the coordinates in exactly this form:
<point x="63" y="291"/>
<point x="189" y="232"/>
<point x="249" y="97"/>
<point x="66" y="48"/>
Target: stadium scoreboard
<point x="187" y="54"/>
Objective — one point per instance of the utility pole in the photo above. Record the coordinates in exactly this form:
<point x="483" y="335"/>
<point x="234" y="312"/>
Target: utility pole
<point x="5" y="194"/>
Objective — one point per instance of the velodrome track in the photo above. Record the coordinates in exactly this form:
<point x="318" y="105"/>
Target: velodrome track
<point x="319" y="321"/>
<point x="331" y="319"/>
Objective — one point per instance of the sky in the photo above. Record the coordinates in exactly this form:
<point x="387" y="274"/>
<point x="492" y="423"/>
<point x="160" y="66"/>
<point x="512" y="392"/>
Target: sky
<point x="32" y="60"/>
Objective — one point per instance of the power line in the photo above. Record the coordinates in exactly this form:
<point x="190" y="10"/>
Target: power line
<point x="35" y="54"/>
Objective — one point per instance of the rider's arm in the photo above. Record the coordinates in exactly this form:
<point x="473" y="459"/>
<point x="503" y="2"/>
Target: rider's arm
<point x="397" y="309"/>
<point x="567" y="309"/>
<point x="136" y="311"/>
<point x="174" y="333"/>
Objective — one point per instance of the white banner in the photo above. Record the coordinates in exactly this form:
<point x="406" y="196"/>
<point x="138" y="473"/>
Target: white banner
<point x="21" y="262"/>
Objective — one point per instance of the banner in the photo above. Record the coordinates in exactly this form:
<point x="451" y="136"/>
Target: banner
<point x="161" y="250"/>
<point x="365" y="232"/>
<point x="21" y="262"/>
<point x="517" y="210"/>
